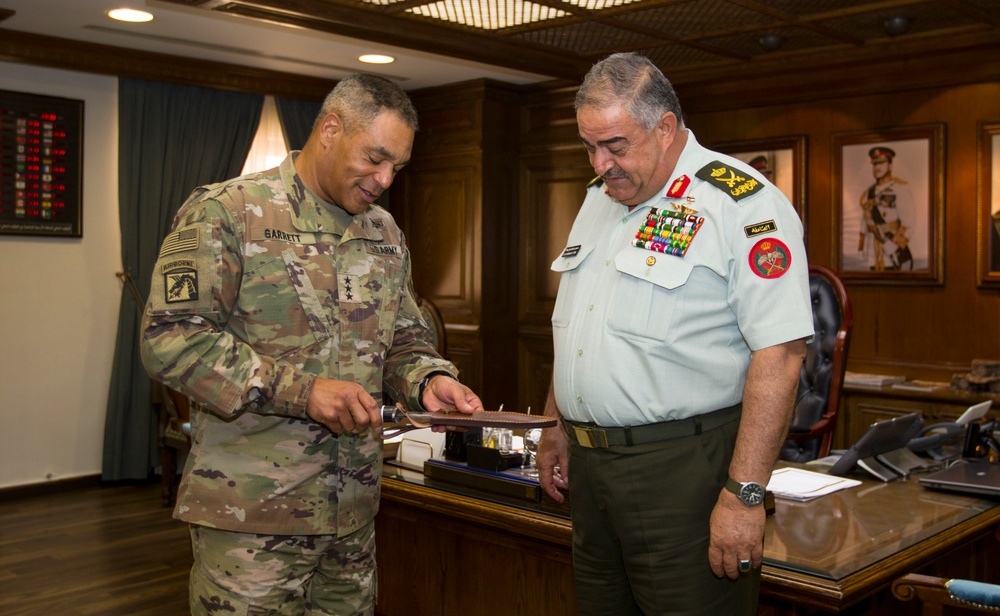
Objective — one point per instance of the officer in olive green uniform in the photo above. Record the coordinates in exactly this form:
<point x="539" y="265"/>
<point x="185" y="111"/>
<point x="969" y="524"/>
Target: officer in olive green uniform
<point x="282" y="305"/>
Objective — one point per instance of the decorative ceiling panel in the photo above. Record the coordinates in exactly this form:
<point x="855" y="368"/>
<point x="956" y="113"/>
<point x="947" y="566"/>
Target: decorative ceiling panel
<point x="695" y="18"/>
<point x="752" y="44"/>
<point x="669" y="57"/>
<point x="798" y="8"/>
<point x="563" y="38"/>
<point x="923" y="19"/>
<point x="585" y="37"/>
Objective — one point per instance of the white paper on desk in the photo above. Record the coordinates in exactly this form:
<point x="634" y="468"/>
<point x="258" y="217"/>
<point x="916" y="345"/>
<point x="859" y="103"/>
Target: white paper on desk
<point x="801" y="485"/>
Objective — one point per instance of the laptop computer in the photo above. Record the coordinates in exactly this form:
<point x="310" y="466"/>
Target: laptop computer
<point x="966" y="476"/>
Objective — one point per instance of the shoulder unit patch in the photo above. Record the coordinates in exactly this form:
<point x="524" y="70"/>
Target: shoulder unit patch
<point x="180" y="281"/>
<point x="770" y="258"/>
<point x="731" y="181"/>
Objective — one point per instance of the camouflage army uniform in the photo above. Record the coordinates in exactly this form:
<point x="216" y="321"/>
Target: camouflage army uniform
<point x="260" y="289"/>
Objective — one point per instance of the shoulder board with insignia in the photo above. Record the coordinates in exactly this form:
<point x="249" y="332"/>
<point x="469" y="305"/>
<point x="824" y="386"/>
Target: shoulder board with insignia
<point x="596" y="182"/>
<point x="733" y="182"/>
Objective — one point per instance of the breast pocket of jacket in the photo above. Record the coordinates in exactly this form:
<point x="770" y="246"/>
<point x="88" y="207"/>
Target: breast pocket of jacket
<point x="369" y="299"/>
<point x="568" y="265"/>
<point x="280" y="305"/>
<point x="648" y="299"/>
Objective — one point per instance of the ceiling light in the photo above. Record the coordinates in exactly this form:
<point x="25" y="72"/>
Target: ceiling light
<point x="494" y="15"/>
<point x="130" y="15"/>
<point x="376" y="58"/>
<point x="771" y="42"/>
<point x="895" y="25"/>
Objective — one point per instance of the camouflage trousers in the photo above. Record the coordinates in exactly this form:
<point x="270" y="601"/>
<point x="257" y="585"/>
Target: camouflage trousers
<point x="238" y="573"/>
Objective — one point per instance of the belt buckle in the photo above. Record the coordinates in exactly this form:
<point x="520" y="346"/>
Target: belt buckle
<point x="591" y="437"/>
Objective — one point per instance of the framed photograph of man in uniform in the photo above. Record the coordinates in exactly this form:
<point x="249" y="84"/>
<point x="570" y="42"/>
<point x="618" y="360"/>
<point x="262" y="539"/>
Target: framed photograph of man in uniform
<point x="782" y="160"/>
<point x="988" y="211"/>
<point x="888" y="197"/>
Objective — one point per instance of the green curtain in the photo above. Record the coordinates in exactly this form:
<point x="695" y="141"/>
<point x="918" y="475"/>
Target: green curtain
<point x="171" y="139"/>
<point x="297" y="118"/>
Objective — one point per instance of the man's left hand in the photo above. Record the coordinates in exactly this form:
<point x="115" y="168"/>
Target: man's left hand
<point x="444" y="392"/>
<point x="737" y="533"/>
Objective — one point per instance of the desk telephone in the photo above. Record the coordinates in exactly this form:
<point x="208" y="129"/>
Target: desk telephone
<point x="889" y="449"/>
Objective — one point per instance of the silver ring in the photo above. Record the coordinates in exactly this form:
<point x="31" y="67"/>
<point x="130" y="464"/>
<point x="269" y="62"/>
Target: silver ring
<point x="744" y="565"/>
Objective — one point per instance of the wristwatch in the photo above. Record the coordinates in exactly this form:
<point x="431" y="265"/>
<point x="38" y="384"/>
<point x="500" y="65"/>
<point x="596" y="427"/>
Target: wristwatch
<point x="751" y="493"/>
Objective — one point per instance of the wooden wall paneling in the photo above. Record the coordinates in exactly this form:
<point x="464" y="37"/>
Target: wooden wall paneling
<point x="499" y="239"/>
<point x="554" y="173"/>
<point x="465" y="350"/>
<point x="921" y="332"/>
<point x="457" y="205"/>
<point x="439" y="197"/>
<point x="534" y="364"/>
<point x="553" y="188"/>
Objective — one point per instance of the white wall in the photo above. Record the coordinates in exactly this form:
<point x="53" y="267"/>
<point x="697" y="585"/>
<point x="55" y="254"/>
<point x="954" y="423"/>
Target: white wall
<point x="59" y="305"/>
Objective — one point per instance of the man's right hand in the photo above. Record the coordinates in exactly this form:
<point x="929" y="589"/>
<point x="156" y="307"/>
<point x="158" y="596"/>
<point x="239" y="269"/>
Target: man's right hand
<point x="342" y="406"/>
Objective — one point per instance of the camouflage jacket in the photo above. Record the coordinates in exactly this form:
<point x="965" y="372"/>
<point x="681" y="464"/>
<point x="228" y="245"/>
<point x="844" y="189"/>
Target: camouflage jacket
<point x="260" y="289"/>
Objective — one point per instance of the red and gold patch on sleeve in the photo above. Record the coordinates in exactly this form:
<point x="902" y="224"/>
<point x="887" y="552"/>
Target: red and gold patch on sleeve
<point x="770" y="258"/>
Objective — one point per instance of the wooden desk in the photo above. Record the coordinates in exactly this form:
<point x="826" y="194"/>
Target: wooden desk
<point x="842" y="551"/>
<point x="446" y="550"/>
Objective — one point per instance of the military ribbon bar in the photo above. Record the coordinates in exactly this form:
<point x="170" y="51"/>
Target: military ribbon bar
<point x="667" y="231"/>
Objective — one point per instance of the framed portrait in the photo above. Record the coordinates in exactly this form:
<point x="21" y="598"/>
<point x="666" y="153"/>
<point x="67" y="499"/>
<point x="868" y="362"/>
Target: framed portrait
<point x="988" y="210"/>
<point x="782" y="160"/>
<point x="888" y="205"/>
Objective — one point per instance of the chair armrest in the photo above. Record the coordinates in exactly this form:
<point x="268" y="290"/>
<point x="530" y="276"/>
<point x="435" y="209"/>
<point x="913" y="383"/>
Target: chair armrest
<point x="941" y="591"/>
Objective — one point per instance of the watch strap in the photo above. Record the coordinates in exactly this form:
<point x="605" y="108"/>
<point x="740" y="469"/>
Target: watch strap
<point x="738" y="489"/>
<point x="733" y="486"/>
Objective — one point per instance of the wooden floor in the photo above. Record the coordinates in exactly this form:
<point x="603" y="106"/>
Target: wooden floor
<point x="107" y="550"/>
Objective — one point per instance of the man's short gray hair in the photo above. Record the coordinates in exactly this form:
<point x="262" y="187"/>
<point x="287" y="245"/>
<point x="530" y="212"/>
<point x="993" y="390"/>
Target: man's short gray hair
<point x="633" y="82"/>
<point x="360" y="97"/>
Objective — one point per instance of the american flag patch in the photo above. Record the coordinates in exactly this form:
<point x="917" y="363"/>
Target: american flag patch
<point x="180" y="241"/>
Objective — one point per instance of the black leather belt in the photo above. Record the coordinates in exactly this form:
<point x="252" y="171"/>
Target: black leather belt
<point x="595" y="437"/>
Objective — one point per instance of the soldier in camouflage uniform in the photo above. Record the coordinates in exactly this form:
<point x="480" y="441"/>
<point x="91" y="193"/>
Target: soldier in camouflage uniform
<point x="282" y="305"/>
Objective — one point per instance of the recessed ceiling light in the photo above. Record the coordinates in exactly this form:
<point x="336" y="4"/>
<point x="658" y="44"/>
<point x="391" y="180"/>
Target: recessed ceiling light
<point x="130" y="15"/>
<point x="376" y="58"/>
<point x="771" y="42"/>
<point x="895" y="25"/>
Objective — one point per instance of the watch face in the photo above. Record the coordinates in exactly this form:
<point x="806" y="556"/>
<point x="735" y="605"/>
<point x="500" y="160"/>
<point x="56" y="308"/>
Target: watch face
<point x="752" y="494"/>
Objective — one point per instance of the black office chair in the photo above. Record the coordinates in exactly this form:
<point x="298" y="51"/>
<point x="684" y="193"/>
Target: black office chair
<point x="822" y="377"/>
<point x="432" y="316"/>
<point x="175" y="438"/>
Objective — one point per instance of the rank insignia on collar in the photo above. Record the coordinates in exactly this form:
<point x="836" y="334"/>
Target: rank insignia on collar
<point x="678" y="187"/>
<point x="729" y="180"/>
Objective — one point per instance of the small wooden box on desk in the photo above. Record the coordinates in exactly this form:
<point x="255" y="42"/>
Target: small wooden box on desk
<point x="862" y="406"/>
